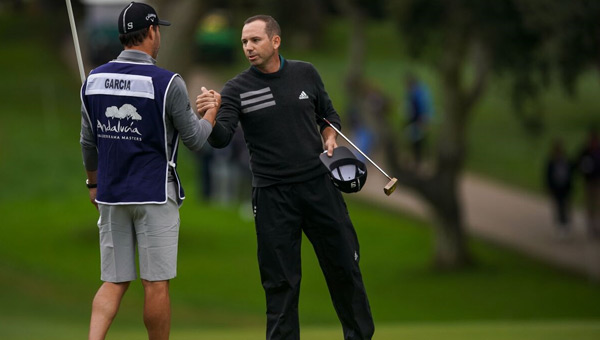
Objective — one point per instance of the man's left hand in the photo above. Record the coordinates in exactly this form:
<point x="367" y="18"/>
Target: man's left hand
<point x="329" y="139"/>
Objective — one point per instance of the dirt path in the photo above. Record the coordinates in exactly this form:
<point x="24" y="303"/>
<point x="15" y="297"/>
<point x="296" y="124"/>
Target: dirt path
<point x="507" y="216"/>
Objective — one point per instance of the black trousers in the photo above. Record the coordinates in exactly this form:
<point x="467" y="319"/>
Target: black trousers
<point x="316" y="207"/>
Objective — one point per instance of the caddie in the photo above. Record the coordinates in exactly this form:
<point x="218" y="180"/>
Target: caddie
<point x="133" y="115"/>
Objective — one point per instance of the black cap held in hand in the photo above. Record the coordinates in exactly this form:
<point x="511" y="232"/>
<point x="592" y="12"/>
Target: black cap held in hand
<point x="137" y="16"/>
<point x="345" y="170"/>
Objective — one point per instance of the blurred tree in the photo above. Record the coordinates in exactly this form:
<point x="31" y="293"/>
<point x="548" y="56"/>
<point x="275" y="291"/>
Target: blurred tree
<point x="466" y="41"/>
<point x="356" y="16"/>
<point x="176" y="52"/>
<point x="303" y="22"/>
<point x="302" y="31"/>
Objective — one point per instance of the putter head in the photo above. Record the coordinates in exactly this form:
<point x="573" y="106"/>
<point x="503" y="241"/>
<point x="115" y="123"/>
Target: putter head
<point x="391" y="186"/>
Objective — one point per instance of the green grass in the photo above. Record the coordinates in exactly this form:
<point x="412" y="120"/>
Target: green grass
<point x="534" y="330"/>
<point x="49" y="273"/>
<point x="49" y="261"/>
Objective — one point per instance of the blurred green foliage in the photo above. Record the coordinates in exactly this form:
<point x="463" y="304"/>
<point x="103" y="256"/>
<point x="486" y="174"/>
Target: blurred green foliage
<point x="499" y="146"/>
<point x="49" y="262"/>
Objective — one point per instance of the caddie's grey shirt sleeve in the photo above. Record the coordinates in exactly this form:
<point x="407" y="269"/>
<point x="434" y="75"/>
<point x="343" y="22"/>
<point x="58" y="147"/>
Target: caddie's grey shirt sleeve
<point x="88" y="144"/>
<point x="227" y="117"/>
<point x="193" y="131"/>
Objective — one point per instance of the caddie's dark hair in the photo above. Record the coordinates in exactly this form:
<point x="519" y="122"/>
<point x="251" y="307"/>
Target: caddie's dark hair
<point x="135" y="38"/>
<point x="272" y="26"/>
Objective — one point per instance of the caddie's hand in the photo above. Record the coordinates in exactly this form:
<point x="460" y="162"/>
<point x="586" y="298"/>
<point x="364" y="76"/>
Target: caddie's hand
<point x="93" y="192"/>
<point x="207" y="100"/>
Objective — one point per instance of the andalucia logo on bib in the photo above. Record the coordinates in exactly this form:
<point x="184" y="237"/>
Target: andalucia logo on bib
<point x="122" y="122"/>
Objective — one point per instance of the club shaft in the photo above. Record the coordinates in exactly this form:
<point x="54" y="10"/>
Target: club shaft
<point x="75" y="40"/>
<point x="357" y="149"/>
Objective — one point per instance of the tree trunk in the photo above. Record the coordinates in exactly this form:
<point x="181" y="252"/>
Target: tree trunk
<point x="439" y="188"/>
<point x="177" y="41"/>
<point x="450" y="250"/>
<point x="356" y="50"/>
<point x="450" y="244"/>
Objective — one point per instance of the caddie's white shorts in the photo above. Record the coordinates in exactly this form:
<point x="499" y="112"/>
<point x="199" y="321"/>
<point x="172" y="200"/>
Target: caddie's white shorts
<point x="155" y="230"/>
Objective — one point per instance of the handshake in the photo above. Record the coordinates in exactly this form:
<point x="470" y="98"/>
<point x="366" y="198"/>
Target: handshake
<point x="207" y="105"/>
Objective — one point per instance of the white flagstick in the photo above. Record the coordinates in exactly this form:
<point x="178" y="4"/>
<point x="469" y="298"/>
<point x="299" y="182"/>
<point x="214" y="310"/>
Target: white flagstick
<point x="75" y="40"/>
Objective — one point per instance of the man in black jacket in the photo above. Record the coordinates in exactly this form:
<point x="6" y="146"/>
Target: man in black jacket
<point x="277" y="102"/>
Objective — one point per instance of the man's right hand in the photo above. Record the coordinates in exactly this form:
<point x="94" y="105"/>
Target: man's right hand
<point x="207" y="104"/>
<point x="93" y="193"/>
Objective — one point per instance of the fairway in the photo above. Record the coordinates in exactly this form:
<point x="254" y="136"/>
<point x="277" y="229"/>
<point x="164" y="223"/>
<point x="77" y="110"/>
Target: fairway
<point x="425" y="331"/>
<point x="498" y="330"/>
<point x="49" y="257"/>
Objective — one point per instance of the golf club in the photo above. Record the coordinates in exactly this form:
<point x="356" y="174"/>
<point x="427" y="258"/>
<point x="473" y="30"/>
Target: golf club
<point x="391" y="186"/>
<point x="75" y="40"/>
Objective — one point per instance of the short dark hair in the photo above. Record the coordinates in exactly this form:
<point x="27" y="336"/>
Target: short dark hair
<point x="135" y="38"/>
<point x="272" y="26"/>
